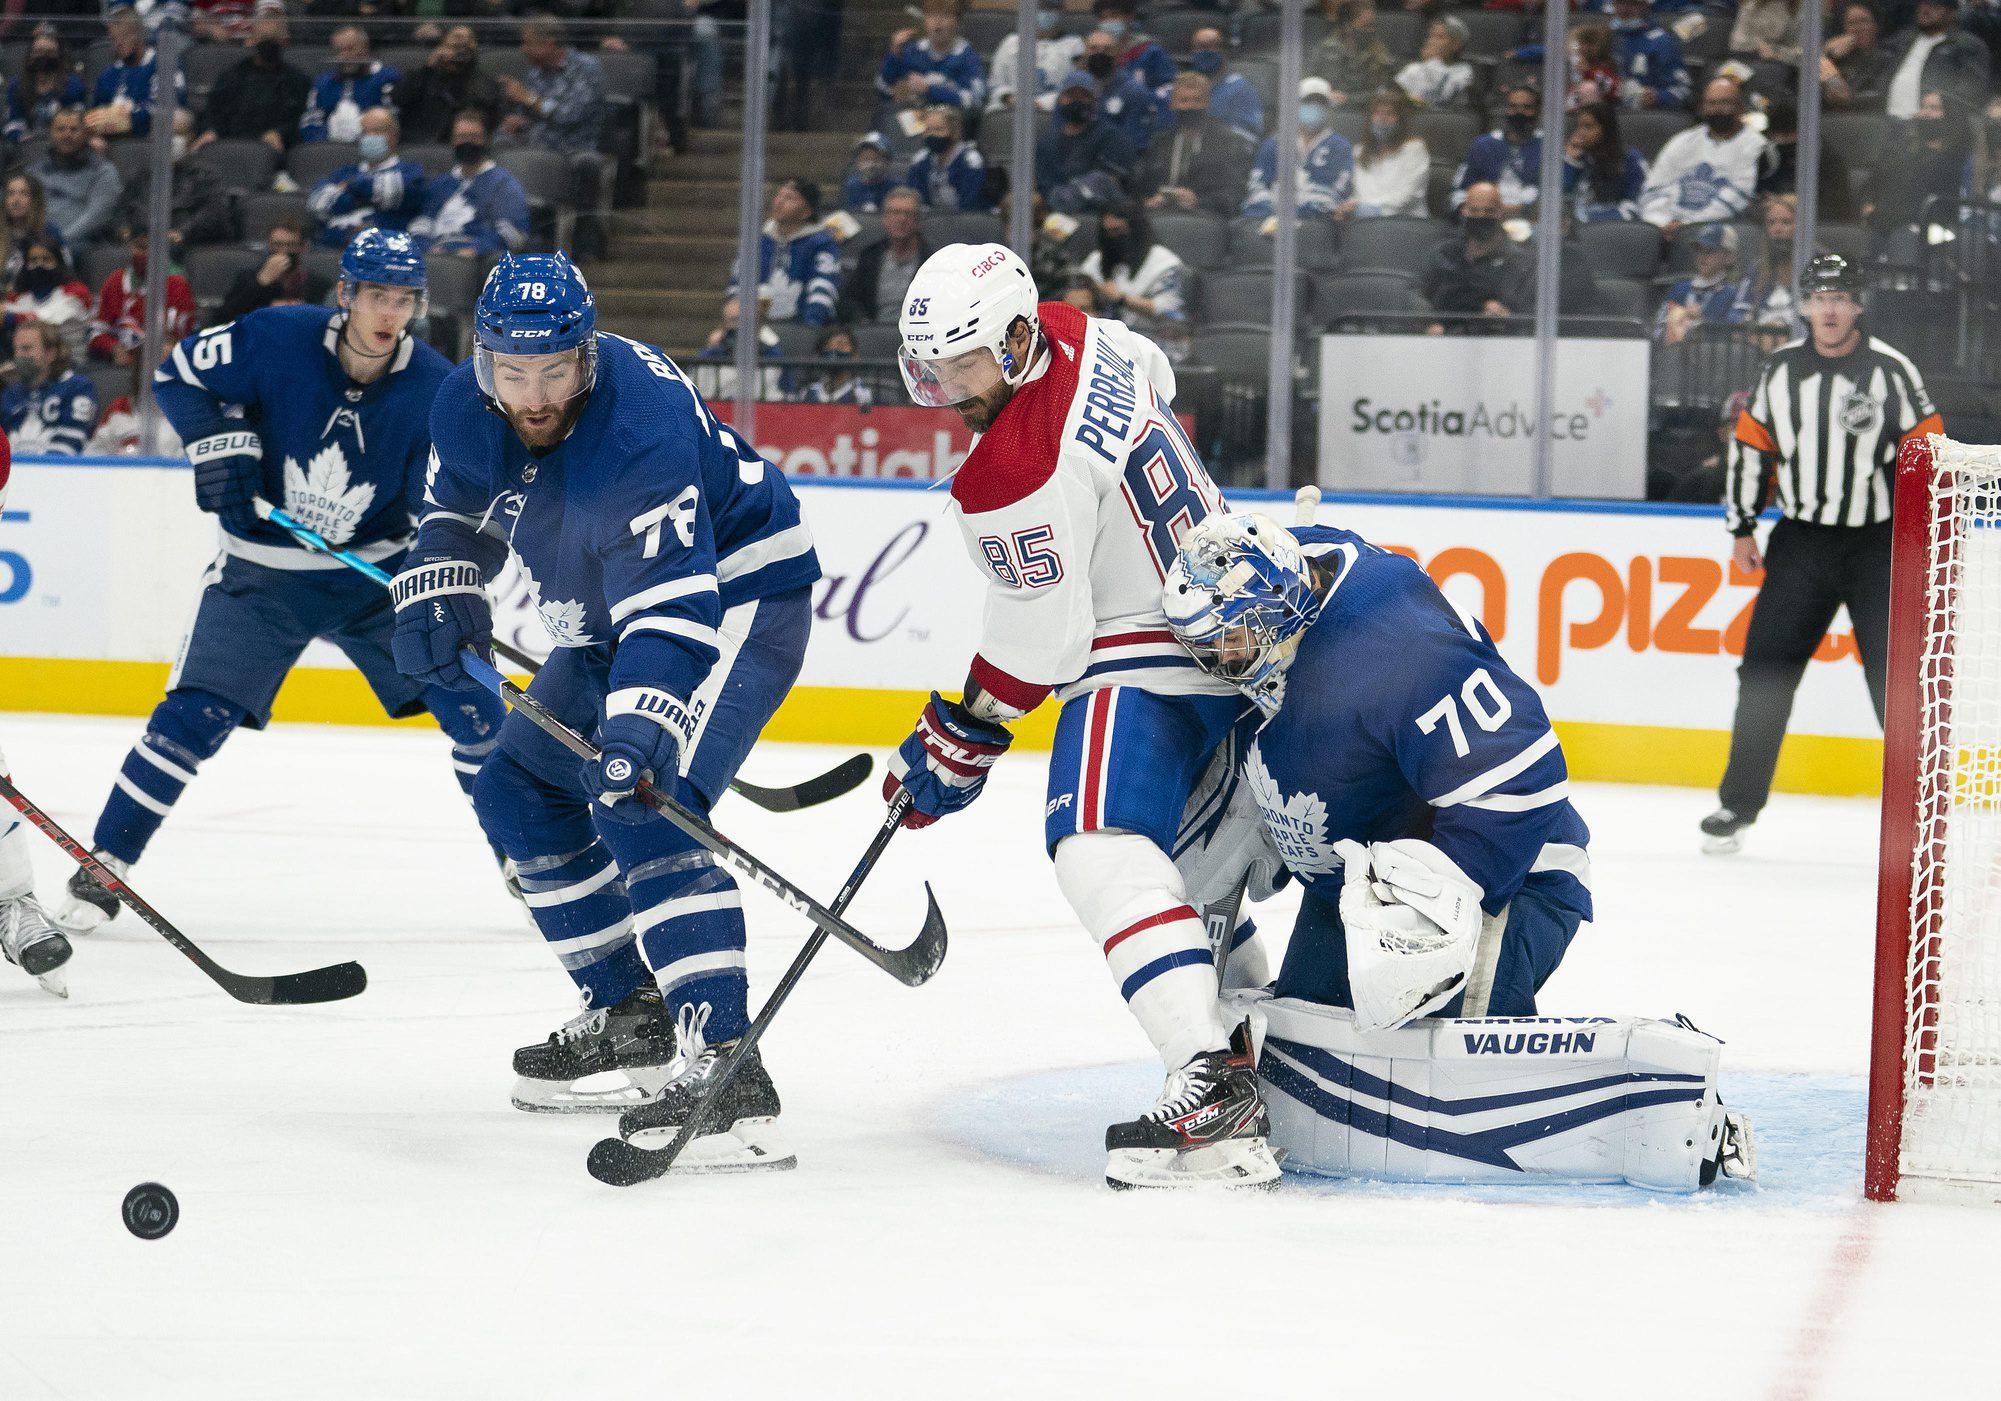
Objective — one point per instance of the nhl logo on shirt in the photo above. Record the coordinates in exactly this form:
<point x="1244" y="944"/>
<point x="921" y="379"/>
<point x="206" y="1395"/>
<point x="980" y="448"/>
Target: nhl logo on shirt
<point x="1860" y="414"/>
<point x="528" y="474"/>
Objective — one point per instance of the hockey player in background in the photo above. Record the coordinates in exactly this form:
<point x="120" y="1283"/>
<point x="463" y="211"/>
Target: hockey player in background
<point x="668" y="562"/>
<point x="1071" y="502"/>
<point x="325" y="413"/>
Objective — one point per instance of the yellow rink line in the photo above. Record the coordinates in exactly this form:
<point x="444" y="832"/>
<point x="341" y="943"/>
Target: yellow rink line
<point x="853" y="715"/>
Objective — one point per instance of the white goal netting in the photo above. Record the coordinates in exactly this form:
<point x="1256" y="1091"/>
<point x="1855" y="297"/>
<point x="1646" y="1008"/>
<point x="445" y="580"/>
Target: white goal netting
<point x="1952" y="1026"/>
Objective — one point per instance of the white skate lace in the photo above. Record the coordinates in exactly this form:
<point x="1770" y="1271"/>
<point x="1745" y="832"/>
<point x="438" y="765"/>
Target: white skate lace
<point x="695" y="1053"/>
<point x="585" y="1023"/>
<point x="1185" y="1089"/>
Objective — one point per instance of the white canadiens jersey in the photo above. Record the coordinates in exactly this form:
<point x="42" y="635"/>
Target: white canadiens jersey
<point x="1073" y="505"/>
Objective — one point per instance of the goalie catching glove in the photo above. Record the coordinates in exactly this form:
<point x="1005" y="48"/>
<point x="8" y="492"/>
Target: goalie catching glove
<point x="639" y="740"/>
<point x="1412" y="919"/>
<point x="441" y="607"/>
<point x="945" y="761"/>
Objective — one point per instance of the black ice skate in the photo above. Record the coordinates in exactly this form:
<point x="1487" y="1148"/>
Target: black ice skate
<point x="740" y="1133"/>
<point x="89" y="904"/>
<point x="1722" y="832"/>
<point x="32" y="944"/>
<point x="600" y="1061"/>
<point x="1208" y="1130"/>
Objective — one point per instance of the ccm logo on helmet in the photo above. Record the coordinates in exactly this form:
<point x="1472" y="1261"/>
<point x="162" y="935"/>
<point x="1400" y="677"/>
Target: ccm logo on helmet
<point x="531" y="335"/>
<point x="989" y="263"/>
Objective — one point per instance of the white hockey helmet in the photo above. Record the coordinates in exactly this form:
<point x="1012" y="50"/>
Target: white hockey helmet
<point x="955" y="321"/>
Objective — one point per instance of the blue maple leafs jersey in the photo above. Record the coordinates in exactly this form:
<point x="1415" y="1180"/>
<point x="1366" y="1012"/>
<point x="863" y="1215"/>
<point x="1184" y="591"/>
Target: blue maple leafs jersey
<point x="635" y="532"/>
<point x="1402" y="720"/>
<point x="342" y="458"/>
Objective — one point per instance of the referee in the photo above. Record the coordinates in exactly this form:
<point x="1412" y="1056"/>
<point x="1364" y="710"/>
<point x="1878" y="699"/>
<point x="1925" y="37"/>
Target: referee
<point x="1825" y="423"/>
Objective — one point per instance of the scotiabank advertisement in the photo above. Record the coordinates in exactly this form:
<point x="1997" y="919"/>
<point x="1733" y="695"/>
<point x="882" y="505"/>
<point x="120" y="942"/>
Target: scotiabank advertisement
<point x="1629" y="619"/>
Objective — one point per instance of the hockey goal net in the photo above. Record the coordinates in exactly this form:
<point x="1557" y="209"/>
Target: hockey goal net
<point x="1935" y="1074"/>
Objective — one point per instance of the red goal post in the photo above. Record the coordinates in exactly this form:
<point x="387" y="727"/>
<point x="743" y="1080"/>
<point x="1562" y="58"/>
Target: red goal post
<point x="1935" y="1063"/>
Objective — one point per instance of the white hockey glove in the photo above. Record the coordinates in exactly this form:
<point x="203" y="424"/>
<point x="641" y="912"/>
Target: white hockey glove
<point x="1413" y="925"/>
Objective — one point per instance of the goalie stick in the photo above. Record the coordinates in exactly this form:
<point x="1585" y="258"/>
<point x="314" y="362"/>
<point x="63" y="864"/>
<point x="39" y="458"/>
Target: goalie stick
<point x="844" y="777"/>
<point x="617" y="1163"/>
<point x="330" y="984"/>
<point x="911" y="966"/>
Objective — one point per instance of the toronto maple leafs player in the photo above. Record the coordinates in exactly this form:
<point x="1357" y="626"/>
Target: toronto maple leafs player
<point x="1412" y="783"/>
<point x="326" y="413"/>
<point x="671" y="569"/>
<point x="1071" y="502"/>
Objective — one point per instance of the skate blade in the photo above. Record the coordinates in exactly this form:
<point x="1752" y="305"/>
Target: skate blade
<point x="748" y="1145"/>
<point x="1723" y="846"/>
<point x="1234" y="1163"/>
<point x="1740" y="1149"/>
<point x="606" y="1092"/>
<point x="55" y="983"/>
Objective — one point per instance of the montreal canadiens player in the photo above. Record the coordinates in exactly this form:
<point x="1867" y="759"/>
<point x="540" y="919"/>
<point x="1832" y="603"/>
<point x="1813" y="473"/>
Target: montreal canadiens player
<point x="669" y="564"/>
<point x="1411" y="781"/>
<point x="325" y="413"/>
<point x="1071" y="502"/>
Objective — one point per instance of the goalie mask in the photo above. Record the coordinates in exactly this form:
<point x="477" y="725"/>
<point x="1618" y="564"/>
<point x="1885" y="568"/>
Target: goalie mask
<point x="1239" y="597"/>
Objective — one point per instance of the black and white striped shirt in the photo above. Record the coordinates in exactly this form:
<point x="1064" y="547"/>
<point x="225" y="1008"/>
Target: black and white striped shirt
<point x="1828" y="431"/>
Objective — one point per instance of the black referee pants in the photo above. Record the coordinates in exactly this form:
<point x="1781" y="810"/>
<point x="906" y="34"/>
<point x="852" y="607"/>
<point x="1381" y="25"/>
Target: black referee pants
<point x="1810" y="572"/>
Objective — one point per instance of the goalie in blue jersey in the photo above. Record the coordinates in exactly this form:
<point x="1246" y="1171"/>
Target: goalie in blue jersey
<point x="668" y="563"/>
<point x="325" y="413"/>
<point x="1406" y="776"/>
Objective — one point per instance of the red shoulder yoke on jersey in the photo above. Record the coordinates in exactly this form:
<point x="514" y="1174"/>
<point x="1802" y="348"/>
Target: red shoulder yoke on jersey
<point x="1018" y="454"/>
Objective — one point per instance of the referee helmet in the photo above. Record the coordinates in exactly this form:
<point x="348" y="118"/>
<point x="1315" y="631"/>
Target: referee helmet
<point x="1830" y="272"/>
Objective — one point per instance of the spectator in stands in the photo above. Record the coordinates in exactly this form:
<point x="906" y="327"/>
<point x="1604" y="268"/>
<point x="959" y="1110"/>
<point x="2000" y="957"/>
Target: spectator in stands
<point x="1712" y="295"/>
<point x="24" y="211"/>
<point x="875" y="290"/>
<point x="1198" y="161"/>
<point x="1602" y="175"/>
<point x="48" y="83"/>
<point x="219" y="21"/>
<point x="1767" y="30"/>
<point x="837" y="383"/>
<point x="1652" y="70"/>
<point x="934" y="65"/>
<point x="715" y="378"/>
<point x="1139" y="281"/>
<point x="1081" y="162"/>
<point x="1935" y="55"/>
<point x="1055" y="55"/>
<point x="1439" y="76"/>
<point x="381" y="190"/>
<point x="1081" y="292"/>
<point x="48" y="408"/>
<point x="263" y="98"/>
<point x="1124" y="99"/>
<point x="1478" y="272"/>
<point x="1594" y="71"/>
<point x="1931" y="161"/>
<point x="870" y="176"/>
<point x="429" y="101"/>
<point x="799" y="264"/>
<point x="121" y="100"/>
<point x="562" y="102"/>
<point x="118" y="327"/>
<point x="1326" y="161"/>
<point x="1509" y="157"/>
<point x="1854" y="66"/>
<point x="1138" y="53"/>
<point x="1352" y="58"/>
<point x="282" y="279"/>
<point x="1709" y="171"/>
<point x="1392" y="165"/>
<point x="117" y="433"/>
<point x="1983" y="172"/>
<point x="201" y="208"/>
<point x="46" y="289"/>
<point x="82" y="186"/>
<point x="1233" y="98"/>
<point x="477" y="209"/>
<point x="1767" y="291"/>
<point x="353" y="83"/>
<point x="950" y="173"/>
<point x="1778" y="168"/>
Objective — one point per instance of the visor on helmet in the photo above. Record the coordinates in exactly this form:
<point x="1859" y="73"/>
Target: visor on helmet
<point x="953" y="379"/>
<point x="536" y="382"/>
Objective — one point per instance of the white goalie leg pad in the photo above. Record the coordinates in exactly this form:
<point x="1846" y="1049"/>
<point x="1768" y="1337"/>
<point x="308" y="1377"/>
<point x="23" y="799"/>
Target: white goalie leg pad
<point x="1223" y="842"/>
<point x="17" y="875"/>
<point x="1496" y="1099"/>
<point x="1412" y="920"/>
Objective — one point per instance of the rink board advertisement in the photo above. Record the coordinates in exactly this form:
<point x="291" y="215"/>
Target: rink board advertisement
<point x="1628" y="618"/>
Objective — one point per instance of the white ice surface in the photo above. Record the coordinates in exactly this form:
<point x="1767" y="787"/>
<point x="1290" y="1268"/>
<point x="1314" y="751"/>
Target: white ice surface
<point x="363" y="1216"/>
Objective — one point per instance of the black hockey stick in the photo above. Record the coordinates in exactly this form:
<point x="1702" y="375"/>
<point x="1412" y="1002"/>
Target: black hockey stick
<point x="620" y="1164"/>
<point x="911" y="966"/>
<point x="329" y="984"/>
<point x="843" y="778"/>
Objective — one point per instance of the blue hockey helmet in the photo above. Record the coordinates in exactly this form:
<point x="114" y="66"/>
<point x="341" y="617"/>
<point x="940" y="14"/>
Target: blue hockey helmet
<point x="1239" y="597"/>
<point x="535" y="304"/>
<point x="386" y="259"/>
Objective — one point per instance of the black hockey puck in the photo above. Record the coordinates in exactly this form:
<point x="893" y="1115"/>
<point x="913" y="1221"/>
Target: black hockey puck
<point x="151" y="1211"/>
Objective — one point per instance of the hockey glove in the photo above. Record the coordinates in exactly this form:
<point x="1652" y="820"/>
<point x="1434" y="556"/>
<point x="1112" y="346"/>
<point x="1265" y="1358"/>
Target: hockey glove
<point x="641" y="737"/>
<point x="229" y="470"/>
<point x="944" y="763"/>
<point x="1412" y="920"/>
<point x="441" y="606"/>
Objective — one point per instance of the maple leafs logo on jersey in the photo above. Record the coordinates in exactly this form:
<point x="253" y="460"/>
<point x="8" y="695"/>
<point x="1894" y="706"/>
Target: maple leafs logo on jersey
<point x="1297" y="824"/>
<point x="562" y="617"/>
<point x="321" y="497"/>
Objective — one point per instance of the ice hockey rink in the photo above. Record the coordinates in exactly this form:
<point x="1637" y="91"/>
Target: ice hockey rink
<point x="364" y="1216"/>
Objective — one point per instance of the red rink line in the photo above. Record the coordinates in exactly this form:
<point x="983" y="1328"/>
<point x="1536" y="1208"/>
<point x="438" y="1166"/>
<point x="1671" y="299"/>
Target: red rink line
<point x="1814" y="1343"/>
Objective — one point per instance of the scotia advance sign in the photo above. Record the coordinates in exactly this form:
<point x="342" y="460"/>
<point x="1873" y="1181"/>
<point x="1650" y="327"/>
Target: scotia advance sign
<point x="1458" y="414"/>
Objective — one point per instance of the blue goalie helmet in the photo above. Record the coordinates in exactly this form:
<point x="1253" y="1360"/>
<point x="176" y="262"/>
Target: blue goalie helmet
<point x="385" y="259"/>
<point x="1239" y="597"/>
<point x="535" y="304"/>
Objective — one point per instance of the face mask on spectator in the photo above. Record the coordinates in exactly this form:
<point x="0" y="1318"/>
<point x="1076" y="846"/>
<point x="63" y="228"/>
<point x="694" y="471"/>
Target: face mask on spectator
<point x="1720" y="123"/>
<point x="42" y="63"/>
<point x="269" y="52"/>
<point x="1100" y="65"/>
<point x="1077" y="113"/>
<point x="1520" y="124"/>
<point x="1114" y="27"/>
<point x="1481" y="227"/>
<point x="470" y="153"/>
<point x="937" y="145"/>
<point x="1382" y="131"/>
<point x="1207" y="62"/>
<point x="1313" y="115"/>
<point x="373" y="146"/>
<point x="38" y="281"/>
